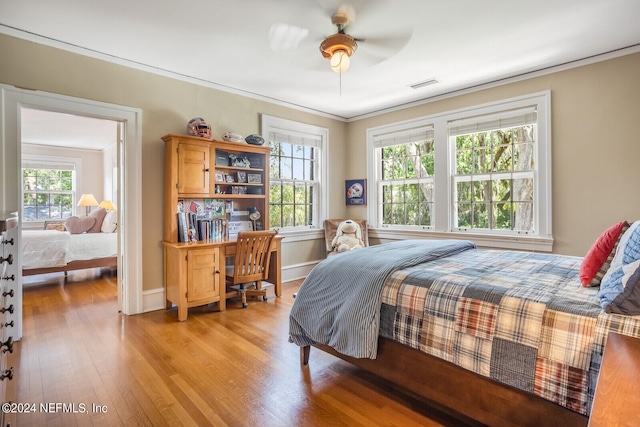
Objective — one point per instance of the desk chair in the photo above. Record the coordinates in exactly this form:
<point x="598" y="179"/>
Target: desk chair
<point x="251" y="265"/>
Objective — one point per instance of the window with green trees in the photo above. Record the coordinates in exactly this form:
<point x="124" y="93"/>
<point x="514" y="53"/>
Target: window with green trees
<point x="296" y="174"/>
<point x="406" y="170"/>
<point x="47" y="193"/>
<point x="494" y="178"/>
<point x="293" y="185"/>
<point x="483" y="169"/>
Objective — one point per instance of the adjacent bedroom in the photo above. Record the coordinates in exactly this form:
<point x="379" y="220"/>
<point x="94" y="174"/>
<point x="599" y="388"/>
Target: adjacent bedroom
<point x="69" y="189"/>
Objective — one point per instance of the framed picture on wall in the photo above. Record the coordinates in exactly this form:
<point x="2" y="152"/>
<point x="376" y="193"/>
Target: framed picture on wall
<point x="356" y="191"/>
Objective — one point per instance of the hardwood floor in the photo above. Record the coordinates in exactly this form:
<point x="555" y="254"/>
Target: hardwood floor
<point x="234" y="368"/>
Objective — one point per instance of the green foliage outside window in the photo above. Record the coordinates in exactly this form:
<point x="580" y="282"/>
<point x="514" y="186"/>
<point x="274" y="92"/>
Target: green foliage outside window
<point x="407" y="185"/>
<point x="292" y="185"/>
<point x="494" y="179"/>
<point x="47" y="193"/>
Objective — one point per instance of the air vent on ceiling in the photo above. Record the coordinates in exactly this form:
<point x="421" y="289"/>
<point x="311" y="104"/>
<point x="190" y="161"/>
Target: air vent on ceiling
<point x="423" y="83"/>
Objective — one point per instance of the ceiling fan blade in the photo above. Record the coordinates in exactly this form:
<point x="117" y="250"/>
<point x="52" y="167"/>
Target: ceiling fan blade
<point x="284" y="36"/>
<point x="381" y="47"/>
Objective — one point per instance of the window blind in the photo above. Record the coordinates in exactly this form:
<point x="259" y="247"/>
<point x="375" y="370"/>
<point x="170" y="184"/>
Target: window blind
<point x="46" y="164"/>
<point x="501" y="120"/>
<point x="403" y="137"/>
<point x="297" y="139"/>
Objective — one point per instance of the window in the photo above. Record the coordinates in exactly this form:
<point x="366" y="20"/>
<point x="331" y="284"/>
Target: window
<point x="296" y="173"/>
<point x="48" y="189"/>
<point x="406" y="162"/>
<point x="47" y="193"/>
<point x="481" y="171"/>
<point x="494" y="172"/>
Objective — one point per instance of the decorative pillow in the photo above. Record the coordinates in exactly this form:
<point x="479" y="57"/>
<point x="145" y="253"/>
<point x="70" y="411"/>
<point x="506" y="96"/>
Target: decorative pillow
<point x="98" y="214"/>
<point x="599" y="257"/>
<point x="110" y="222"/>
<point x="77" y="225"/>
<point x="620" y="288"/>
<point x="55" y="226"/>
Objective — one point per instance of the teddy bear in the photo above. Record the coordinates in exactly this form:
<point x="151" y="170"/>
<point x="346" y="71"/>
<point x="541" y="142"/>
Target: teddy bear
<point x="348" y="237"/>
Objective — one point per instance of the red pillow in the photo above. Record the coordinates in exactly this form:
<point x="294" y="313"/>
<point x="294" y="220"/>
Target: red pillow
<point x="598" y="254"/>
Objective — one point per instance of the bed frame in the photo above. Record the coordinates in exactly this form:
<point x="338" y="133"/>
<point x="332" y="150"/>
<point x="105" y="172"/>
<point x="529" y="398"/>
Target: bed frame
<point x="74" y="265"/>
<point x="460" y="390"/>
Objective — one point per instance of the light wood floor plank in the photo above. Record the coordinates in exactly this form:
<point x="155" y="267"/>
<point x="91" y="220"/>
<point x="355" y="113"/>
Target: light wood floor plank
<point x="232" y="368"/>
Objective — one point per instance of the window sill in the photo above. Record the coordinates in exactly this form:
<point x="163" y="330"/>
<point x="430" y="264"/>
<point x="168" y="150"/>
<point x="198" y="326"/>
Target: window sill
<point x="301" y="235"/>
<point x="525" y="243"/>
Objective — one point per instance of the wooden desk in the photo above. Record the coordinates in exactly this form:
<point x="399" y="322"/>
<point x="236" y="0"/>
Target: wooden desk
<point x="194" y="273"/>
<point x="617" y="398"/>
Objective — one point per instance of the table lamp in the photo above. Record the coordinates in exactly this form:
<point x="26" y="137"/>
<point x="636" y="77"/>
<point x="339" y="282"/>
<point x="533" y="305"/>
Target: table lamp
<point x="108" y="205"/>
<point x="88" y="200"/>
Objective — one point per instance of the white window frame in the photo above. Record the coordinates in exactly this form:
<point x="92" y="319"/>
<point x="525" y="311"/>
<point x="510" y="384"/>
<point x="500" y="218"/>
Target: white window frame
<point x="52" y="162"/>
<point x="319" y="134"/>
<point x="540" y="240"/>
<point x="397" y="137"/>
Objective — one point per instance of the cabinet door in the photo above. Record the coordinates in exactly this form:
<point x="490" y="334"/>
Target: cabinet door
<point x="203" y="274"/>
<point x="193" y="169"/>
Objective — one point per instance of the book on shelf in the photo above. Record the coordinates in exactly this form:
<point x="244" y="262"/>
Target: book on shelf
<point x="219" y="229"/>
<point x="183" y="227"/>
<point x="193" y="227"/>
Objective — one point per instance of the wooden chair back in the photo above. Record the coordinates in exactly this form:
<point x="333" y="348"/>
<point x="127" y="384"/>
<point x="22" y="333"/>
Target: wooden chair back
<point x="252" y="256"/>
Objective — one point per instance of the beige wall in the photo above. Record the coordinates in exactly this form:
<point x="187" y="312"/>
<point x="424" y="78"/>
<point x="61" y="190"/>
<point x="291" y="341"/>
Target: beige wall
<point x="167" y="105"/>
<point x="595" y="144"/>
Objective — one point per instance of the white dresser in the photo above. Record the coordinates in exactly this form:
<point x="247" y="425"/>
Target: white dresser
<point x="9" y="279"/>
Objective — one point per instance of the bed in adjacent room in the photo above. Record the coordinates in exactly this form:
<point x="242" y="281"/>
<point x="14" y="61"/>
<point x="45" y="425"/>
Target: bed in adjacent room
<point x="504" y="337"/>
<point x="79" y="243"/>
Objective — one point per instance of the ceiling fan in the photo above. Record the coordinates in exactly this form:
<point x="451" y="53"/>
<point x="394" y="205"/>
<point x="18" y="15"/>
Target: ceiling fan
<point x="339" y="47"/>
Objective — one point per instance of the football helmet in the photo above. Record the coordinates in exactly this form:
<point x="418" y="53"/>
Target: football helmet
<point x="198" y="127"/>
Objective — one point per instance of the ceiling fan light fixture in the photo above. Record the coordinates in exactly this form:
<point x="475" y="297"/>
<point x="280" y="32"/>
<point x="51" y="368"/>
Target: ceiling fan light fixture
<point x="340" y="61"/>
<point x="338" y="48"/>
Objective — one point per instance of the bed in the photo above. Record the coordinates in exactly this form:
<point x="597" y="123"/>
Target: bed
<point x="51" y="251"/>
<point x="503" y="337"/>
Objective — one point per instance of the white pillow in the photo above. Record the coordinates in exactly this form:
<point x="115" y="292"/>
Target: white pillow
<point x="110" y="222"/>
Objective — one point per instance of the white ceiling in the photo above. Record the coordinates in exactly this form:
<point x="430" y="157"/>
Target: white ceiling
<point x="66" y="130"/>
<point x="225" y="44"/>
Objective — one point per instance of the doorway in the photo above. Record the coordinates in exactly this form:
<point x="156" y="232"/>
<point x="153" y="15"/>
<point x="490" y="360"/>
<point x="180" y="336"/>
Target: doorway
<point x="129" y="155"/>
<point x="64" y="156"/>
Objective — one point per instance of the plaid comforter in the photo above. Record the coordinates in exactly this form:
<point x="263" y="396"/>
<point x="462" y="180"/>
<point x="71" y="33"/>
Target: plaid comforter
<point x="520" y="318"/>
